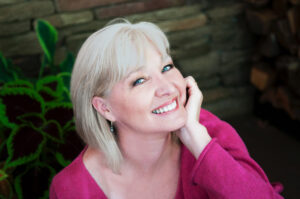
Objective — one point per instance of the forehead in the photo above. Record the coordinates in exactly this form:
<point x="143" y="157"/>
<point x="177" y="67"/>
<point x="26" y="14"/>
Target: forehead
<point x="127" y="51"/>
<point x="149" y="56"/>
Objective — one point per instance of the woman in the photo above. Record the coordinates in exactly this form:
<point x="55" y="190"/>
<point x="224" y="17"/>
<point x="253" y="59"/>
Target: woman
<point x="140" y="120"/>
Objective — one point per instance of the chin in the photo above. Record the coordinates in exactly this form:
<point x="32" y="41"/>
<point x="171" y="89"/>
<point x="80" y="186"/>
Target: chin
<point x="171" y="126"/>
<point x="179" y="122"/>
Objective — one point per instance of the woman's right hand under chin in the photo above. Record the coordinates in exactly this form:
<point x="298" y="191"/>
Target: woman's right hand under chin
<point x="193" y="134"/>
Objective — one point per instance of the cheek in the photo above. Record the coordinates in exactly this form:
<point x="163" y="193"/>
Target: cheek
<point x="181" y="86"/>
<point x="133" y="105"/>
<point x="119" y="104"/>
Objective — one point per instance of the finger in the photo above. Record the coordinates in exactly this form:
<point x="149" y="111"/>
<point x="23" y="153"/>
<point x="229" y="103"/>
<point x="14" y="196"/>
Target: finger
<point x="193" y="89"/>
<point x="195" y="96"/>
<point x="193" y="86"/>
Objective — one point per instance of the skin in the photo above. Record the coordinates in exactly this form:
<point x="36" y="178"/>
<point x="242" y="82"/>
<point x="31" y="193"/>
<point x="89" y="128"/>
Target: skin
<point x="151" y="159"/>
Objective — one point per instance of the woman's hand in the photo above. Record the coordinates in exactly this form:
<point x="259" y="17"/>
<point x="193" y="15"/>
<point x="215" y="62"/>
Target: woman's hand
<point x="193" y="135"/>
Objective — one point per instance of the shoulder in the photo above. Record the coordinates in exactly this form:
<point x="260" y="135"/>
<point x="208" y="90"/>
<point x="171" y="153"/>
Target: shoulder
<point x="215" y="126"/>
<point x="209" y="120"/>
<point x="73" y="181"/>
<point x="72" y="171"/>
<point x="225" y="134"/>
<point x="67" y="177"/>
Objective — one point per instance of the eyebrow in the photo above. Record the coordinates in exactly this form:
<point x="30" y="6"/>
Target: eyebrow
<point x="133" y="71"/>
<point x="167" y="59"/>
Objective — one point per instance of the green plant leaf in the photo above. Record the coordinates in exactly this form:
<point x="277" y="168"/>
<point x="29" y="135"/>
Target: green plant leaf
<point x="34" y="181"/>
<point x="23" y="145"/>
<point x="36" y="120"/>
<point x="66" y="95"/>
<point x="50" y="88"/>
<point x="72" y="145"/>
<point x="4" y="134"/>
<point x="18" y="101"/>
<point x="18" y="83"/>
<point x="18" y="187"/>
<point x="47" y="36"/>
<point x="61" y="160"/>
<point x="3" y="117"/>
<point x="3" y="175"/>
<point x="53" y="131"/>
<point x="66" y="78"/>
<point x="59" y="111"/>
<point x="6" y="73"/>
<point x="69" y="125"/>
<point x="67" y="64"/>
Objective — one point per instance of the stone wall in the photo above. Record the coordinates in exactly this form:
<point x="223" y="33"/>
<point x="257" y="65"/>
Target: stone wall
<point x="208" y="39"/>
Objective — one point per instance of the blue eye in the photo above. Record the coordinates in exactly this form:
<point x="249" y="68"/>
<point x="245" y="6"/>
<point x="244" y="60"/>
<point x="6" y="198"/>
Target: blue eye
<point x="167" y="68"/>
<point x="138" y="81"/>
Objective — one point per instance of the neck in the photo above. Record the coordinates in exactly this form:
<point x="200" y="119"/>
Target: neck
<point x="146" y="152"/>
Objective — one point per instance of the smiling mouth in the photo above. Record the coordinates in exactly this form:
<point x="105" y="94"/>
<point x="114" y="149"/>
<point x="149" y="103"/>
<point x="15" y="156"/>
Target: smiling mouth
<point x="166" y="108"/>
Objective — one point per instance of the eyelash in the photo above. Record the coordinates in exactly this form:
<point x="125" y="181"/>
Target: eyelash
<point x="170" y="67"/>
<point x="136" y="82"/>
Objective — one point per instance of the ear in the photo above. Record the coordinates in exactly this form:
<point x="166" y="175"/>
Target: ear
<point x="101" y="106"/>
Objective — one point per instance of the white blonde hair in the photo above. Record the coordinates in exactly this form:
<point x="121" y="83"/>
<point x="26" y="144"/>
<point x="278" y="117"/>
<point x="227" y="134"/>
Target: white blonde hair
<point x="106" y="57"/>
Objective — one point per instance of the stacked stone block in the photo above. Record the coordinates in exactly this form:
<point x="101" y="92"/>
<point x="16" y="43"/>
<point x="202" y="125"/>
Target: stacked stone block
<point x="208" y="39"/>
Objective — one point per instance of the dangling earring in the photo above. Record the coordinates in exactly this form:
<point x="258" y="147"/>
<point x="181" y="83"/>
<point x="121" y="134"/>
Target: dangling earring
<point x="112" y="127"/>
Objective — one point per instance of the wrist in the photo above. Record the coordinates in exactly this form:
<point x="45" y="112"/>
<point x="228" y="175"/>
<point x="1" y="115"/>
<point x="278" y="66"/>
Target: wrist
<point x="200" y="139"/>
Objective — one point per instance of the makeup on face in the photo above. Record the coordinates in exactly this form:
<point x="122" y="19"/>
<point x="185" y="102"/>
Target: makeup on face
<point x="140" y="71"/>
<point x="150" y="98"/>
<point x="167" y="107"/>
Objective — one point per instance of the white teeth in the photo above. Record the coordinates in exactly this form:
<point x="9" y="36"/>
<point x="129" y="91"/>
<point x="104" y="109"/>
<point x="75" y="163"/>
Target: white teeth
<point x="167" y="108"/>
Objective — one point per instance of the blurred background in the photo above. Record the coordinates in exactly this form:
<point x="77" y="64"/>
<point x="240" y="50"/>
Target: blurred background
<point x="243" y="54"/>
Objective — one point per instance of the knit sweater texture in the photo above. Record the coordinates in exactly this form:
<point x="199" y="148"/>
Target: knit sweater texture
<point x="223" y="170"/>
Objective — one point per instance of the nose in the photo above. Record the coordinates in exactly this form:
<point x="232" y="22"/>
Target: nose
<point x="165" y="87"/>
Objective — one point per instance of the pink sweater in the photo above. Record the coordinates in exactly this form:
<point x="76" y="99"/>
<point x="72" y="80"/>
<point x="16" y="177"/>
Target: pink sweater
<point x="223" y="170"/>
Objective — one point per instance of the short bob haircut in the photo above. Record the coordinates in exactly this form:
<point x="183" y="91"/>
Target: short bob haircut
<point x="106" y="57"/>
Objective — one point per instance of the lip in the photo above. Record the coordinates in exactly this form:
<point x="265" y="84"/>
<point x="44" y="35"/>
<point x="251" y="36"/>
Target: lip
<point x="167" y="103"/>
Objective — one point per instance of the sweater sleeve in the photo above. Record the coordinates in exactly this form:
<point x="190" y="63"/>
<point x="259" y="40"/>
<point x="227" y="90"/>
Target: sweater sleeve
<point x="226" y="170"/>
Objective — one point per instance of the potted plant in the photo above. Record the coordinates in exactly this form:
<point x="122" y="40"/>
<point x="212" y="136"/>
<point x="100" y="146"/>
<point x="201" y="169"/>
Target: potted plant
<point x="37" y="131"/>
